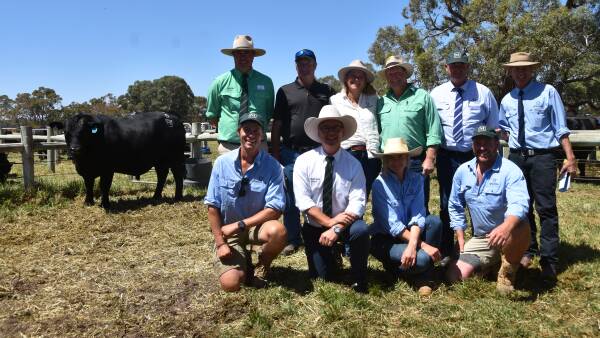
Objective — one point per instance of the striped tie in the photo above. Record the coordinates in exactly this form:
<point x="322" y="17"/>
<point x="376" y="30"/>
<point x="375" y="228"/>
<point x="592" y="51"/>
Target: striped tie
<point x="457" y="129"/>
<point x="244" y="97"/>
<point x="328" y="187"/>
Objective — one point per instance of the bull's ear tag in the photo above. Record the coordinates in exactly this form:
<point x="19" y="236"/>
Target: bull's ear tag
<point x="94" y="130"/>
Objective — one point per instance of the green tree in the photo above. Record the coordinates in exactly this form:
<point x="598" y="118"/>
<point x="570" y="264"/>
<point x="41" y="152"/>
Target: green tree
<point x="107" y="105"/>
<point x="7" y="107"/>
<point x="38" y="107"/>
<point x="565" y="38"/>
<point x="332" y="81"/>
<point x="169" y="94"/>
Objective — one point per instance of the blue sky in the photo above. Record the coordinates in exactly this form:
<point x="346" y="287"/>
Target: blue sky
<point x="84" y="49"/>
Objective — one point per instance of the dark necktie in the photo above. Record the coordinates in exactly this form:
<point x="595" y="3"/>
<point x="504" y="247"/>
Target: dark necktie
<point x="328" y="187"/>
<point x="521" y="111"/>
<point x="457" y="128"/>
<point x="244" y="97"/>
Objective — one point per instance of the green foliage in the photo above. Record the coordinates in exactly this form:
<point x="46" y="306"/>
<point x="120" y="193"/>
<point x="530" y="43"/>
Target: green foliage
<point x="332" y="81"/>
<point x="35" y="108"/>
<point x="565" y="38"/>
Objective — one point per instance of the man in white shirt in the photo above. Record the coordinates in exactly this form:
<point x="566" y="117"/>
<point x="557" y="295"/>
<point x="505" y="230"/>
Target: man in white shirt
<point x="329" y="187"/>
<point x="463" y="106"/>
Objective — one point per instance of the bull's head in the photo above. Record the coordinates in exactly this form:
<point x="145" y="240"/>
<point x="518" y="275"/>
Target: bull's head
<point x="83" y="131"/>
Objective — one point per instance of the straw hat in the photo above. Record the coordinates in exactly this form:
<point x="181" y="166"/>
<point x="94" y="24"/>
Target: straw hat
<point x="243" y="42"/>
<point x="398" y="61"/>
<point x="520" y="59"/>
<point x="329" y="112"/>
<point x="356" y="65"/>
<point x="397" y="146"/>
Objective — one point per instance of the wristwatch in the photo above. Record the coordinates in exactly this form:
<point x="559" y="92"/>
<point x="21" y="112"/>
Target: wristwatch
<point x="241" y="226"/>
<point x="337" y="229"/>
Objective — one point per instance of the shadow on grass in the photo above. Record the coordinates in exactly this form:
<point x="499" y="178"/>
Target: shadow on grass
<point x="125" y="205"/>
<point x="293" y="279"/>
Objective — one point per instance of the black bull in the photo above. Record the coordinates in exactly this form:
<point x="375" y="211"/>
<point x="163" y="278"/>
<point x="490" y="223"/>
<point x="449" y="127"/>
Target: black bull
<point x="101" y="146"/>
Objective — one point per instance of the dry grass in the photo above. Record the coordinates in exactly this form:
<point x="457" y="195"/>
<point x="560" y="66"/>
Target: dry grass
<point x="145" y="270"/>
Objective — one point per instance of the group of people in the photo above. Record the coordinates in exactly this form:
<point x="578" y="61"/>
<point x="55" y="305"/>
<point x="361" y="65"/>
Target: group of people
<point x="331" y="152"/>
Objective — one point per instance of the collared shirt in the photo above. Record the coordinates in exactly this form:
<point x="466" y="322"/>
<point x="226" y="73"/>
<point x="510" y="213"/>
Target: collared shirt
<point x="502" y="192"/>
<point x="224" y="96"/>
<point x="348" y="183"/>
<point x="545" y="121"/>
<point x="294" y="104"/>
<point x="397" y="204"/>
<point x="366" y="130"/>
<point x="479" y="108"/>
<point x="264" y="188"/>
<point x="413" y="117"/>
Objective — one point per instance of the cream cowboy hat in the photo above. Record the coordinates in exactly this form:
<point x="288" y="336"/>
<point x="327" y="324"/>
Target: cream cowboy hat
<point x="356" y="65"/>
<point x="329" y="112"/>
<point x="243" y="42"/>
<point x="520" y="59"/>
<point x="398" y="61"/>
<point x="397" y="146"/>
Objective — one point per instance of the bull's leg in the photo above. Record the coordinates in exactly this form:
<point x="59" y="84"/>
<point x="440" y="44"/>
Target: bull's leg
<point x="178" y="171"/>
<point x="89" y="190"/>
<point x="161" y="178"/>
<point x="105" y="183"/>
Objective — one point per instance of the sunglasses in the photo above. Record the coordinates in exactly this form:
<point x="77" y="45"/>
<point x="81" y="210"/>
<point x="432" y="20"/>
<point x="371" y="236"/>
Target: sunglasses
<point x="243" y="185"/>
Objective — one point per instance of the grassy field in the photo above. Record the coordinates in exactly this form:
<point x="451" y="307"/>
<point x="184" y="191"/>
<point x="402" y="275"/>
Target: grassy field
<point x="145" y="270"/>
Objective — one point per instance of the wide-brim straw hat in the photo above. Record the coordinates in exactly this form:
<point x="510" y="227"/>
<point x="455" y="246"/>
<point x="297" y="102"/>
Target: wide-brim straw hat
<point x="243" y="42"/>
<point x="398" y="61"/>
<point x="397" y="146"/>
<point x="329" y="112"/>
<point x="520" y="59"/>
<point x="356" y="65"/>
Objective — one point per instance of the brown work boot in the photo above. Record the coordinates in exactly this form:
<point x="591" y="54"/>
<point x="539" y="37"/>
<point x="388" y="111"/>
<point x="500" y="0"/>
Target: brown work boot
<point x="506" y="277"/>
<point x="424" y="287"/>
<point x="260" y="276"/>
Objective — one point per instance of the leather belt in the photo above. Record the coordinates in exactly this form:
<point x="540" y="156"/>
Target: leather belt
<point x="532" y="152"/>
<point x="361" y="147"/>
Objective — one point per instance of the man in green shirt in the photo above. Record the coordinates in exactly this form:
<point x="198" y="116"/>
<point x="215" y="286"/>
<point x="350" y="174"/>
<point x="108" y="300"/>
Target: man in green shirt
<point x="409" y="112"/>
<point x="239" y="91"/>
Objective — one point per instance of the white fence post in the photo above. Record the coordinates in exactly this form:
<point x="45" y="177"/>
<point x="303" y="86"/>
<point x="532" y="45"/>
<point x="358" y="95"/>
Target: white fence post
<point x="196" y="152"/>
<point x="50" y="153"/>
<point x="27" y="156"/>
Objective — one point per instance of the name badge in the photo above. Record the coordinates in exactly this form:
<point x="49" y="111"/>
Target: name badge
<point x="260" y="87"/>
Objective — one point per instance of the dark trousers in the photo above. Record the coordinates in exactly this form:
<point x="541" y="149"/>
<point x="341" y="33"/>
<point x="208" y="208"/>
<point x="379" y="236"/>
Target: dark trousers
<point x="416" y="165"/>
<point x="540" y="174"/>
<point x="371" y="167"/>
<point x="388" y="250"/>
<point x="447" y="162"/>
<point x="291" y="214"/>
<point x="321" y="259"/>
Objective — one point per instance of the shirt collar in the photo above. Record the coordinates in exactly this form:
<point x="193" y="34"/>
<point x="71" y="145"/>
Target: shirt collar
<point x="410" y="89"/>
<point x="472" y="164"/>
<point x="259" y="157"/>
<point x="527" y="88"/>
<point x="238" y="74"/>
<point x="336" y="156"/>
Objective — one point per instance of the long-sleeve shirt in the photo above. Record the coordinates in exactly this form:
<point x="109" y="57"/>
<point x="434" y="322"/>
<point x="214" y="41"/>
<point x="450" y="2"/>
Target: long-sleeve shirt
<point x="263" y="190"/>
<point x="479" y="107"/>
<point x="412" y="116"/>
<point x="545" y="118"/>
<point x="366" y="130"/>
<point x="502" y="192"/>
<point x="224" y="97"/>
<point x="397" y="204"/>
<point x="348" y="183"/>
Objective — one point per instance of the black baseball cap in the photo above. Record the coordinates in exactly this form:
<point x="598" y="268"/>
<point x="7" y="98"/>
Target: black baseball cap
<point x="305" y="53"/>
<point x="457" y="57"/>
<point x="485" y="131"/>
<point x="250" y="117"/>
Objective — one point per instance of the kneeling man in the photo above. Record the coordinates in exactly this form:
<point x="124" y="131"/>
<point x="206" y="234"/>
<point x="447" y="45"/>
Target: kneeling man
<point x="329" y="186"/>
<point x="245" y="198"/>
<point x="495" y="191"/>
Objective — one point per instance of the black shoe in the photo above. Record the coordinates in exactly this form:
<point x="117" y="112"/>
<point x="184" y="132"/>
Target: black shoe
<point x="360" y="287"/>
<point x="549" y="272"/>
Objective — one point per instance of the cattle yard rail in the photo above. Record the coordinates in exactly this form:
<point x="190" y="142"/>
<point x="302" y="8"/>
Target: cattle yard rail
<point x="27" y="144"/>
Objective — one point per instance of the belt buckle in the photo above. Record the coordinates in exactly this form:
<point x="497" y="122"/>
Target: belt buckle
<point x="527" y="152"/>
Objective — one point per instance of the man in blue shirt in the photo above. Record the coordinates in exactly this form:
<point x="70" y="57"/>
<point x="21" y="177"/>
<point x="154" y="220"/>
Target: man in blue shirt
<point x="245" y="199"/>
<point x="534" y="116"/>
<point x="494" y="190"/>
<point x="463" y="106"/>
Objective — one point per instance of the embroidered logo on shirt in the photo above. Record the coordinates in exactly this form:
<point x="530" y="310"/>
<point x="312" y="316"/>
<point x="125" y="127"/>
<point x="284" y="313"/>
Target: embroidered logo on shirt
<point x="260" y="87"/>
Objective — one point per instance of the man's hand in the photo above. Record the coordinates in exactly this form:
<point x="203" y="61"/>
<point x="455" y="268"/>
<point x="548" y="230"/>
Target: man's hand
<point x="460" y="240"/>
<point x="344" y="218"/>
<point x="500" y="236"/>
<point x="223" y="251"/>
<point x="428" y="166"/>
<point x="229" y="230"/>
<point x="328" y="238"/>
<point x="409" y="257"/>
<point x="569" y="166"/>
<point x="432" y="251"/>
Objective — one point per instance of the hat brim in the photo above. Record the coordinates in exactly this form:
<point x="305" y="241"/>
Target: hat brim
<point x="407" y="67"/>
<point x="521" y="64"/>
<point x="411" y="153"/>
<point x="343" y="71"/>
<point x="311" y="126"/>
<point x="257" y="51"/>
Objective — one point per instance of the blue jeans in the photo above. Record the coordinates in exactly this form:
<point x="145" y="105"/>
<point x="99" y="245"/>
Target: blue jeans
<point x="447" y="162"/>
<point x="416" y="165"/>
<point x="371" y="167"/>
<point x="388" y="250"/>
<point x="291" y="214"/>
<point x="321" y="259"/>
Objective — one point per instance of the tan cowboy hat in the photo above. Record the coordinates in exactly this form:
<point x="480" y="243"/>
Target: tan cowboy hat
<point x="243" y="42"/>
<point x="397" y="146"/>
<point x="356" y="65"/>
<point x="398" y="61"/>
<point x="329" y="112"/>
<point x="520" y="59"/>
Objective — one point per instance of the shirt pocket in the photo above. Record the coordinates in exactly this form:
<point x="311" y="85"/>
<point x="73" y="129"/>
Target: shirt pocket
<point x="446" y="113"/>
<point x="492" y="195"/>
<point x="231" y="97"/>
<point x="540" y="118"/>
<point x="229" y="191"/>
<point x="385" y="116"/>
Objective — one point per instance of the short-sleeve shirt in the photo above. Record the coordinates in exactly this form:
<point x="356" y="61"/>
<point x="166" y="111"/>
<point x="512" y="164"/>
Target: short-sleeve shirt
<point x="224" y="96"/>
<point x="295" y="103"/>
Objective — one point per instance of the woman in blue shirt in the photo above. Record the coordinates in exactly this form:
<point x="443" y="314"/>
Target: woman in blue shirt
<point x="403" y="238"/>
